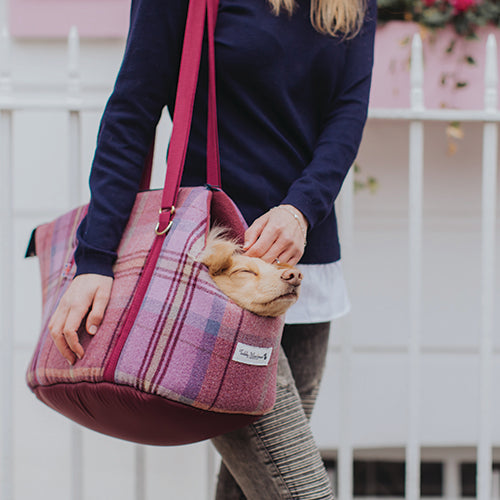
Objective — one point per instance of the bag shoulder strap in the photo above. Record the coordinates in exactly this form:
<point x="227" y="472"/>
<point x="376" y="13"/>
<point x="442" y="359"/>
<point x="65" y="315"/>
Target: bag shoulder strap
<point x="186" y="90"/>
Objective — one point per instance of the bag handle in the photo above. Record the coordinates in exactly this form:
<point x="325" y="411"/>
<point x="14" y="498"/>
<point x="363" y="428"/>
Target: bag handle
<point x="213" y="158"/>
<point x="186" y="90"/>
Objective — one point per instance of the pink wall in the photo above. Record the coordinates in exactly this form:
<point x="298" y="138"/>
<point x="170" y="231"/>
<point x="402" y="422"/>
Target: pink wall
<point x="450" y="81"/>
<point x="54" y="18"/>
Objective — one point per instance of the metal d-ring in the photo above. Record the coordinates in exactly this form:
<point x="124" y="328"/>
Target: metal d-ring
<point x="165" y="231"/>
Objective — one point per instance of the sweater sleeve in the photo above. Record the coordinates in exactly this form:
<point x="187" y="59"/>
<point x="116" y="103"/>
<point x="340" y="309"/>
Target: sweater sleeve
<point x="146" y="81"/>
<point x="315" y="191"/>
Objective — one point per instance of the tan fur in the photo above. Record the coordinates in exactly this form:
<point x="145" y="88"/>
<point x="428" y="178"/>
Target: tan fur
<point x="265" y="289"/>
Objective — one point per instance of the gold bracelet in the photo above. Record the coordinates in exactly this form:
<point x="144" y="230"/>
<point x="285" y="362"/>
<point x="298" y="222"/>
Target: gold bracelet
<point x="296" y="217"/>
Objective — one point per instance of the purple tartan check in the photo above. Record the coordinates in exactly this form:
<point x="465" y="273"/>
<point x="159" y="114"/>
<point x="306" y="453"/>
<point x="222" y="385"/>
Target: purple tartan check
<point x="183" y="339"/>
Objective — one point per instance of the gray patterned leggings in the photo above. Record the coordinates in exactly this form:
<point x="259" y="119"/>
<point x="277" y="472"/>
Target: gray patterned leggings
<point x="276" y="457"/>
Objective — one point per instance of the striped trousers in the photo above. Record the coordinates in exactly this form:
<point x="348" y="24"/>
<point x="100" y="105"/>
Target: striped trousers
<point x="276" y="458"/>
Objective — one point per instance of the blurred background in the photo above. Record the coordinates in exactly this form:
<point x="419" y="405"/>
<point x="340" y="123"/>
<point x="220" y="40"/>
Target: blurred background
<point x="410" y="405"/>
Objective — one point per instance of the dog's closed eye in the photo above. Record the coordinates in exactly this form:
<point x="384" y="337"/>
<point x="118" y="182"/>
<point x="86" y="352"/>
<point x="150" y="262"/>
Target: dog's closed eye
<point x="241" y="271"/>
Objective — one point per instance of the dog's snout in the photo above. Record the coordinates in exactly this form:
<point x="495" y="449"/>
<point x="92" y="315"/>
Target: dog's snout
<point x="292" y="276"/>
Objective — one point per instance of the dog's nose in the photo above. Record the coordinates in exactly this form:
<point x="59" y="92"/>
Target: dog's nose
<point x="292" y="276"/>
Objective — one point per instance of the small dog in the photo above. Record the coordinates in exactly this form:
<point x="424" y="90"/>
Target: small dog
<point x="265" y="289"/>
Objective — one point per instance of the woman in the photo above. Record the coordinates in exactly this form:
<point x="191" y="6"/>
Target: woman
<point x="293" y="80"/>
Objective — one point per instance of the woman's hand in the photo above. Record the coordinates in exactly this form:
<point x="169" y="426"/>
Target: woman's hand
<point x="87" y="294"/>
<point x="279" y="234"/>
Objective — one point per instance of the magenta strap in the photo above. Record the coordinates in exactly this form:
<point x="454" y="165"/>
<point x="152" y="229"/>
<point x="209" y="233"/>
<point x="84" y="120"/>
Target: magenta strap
<point x="186" y="90"/>
<point x="213" y="160"/>
<point x="183" y="113"/>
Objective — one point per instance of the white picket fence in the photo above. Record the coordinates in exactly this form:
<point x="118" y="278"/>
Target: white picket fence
<point x="73" y="103"/>
<point x="417" y="115"/>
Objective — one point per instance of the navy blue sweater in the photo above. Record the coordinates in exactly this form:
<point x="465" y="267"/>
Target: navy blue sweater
<point x="292" y="104"/>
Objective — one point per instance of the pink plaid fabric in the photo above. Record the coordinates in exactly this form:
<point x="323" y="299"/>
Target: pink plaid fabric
<point x="183" y="339"/>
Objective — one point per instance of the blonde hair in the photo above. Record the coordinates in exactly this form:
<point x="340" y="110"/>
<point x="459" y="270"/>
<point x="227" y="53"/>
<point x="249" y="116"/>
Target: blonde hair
<point x="331" y="17"/>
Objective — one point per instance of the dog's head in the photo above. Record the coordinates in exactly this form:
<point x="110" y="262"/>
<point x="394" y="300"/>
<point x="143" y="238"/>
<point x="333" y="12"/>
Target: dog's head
<point x="265" y="289"/>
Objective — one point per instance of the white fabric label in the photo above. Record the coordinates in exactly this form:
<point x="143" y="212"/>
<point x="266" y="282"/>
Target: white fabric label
<point x="252" y="355"/>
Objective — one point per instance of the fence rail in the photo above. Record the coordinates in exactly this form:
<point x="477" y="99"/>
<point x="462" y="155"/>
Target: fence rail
<point x="75" y="103"/>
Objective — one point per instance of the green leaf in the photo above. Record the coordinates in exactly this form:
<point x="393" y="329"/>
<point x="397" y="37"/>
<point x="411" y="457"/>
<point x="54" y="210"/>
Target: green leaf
<point x="405" y="41"/>
<point x="441" y="13"/>
<point x="472" y="37"/>
<point x="436" y="18"/>
<point x="463" y="25"/>
<point x="372" y="184"/>
<point x="358" y="186"/>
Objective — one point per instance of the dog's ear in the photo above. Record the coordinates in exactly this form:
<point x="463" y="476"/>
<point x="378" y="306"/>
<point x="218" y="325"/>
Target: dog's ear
<point x="218" y="255"/>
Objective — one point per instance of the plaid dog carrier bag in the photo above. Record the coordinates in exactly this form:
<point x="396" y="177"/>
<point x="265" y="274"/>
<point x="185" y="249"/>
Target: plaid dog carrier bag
<point x="161" y="369"/>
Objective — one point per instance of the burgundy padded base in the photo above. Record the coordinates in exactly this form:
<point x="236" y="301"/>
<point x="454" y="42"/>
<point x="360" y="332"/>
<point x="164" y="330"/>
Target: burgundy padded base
<point x="126" y="413"/>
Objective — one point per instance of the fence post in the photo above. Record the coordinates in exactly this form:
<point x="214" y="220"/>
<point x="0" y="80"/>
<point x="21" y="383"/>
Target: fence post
<point x="345" y="455"/>
<point x="73" y="98"/>
<point x="74" y="107"/>
<point x="140" y="472"/>
<point x="6" y="274"/>
<point x="416" y="171"/>
<point x="490" y="155"/>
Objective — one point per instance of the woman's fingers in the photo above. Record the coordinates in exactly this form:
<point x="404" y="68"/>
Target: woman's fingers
<point x="265" y="246"/>
<point x="87" y="294"/>
<point x="56" y="327"/>
<point x="71" y="327"/>
<point x="56" y="323"/>
<point x="277" y="234"/>
<point x="99" y="305"/>
<point x="282" y="246"/>
<point x="291" y="256"/>
<point x="253" y="232"/>
<point x="63" y="348"/>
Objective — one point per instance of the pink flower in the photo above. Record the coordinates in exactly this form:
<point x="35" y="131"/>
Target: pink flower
<point x="462" y="5"/>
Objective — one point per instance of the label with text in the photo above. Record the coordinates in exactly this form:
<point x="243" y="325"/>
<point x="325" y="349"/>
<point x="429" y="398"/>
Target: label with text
<point x="252" y="355"/>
